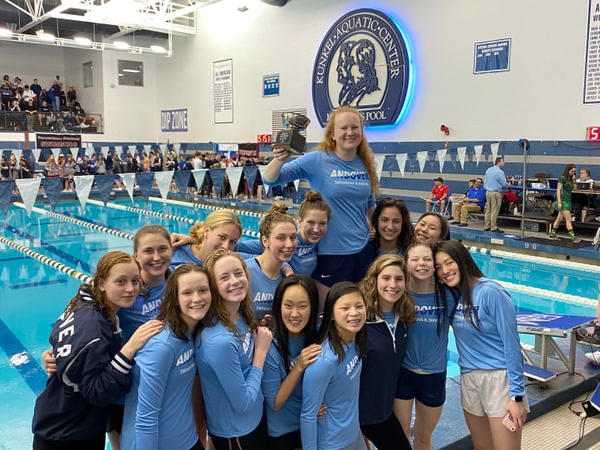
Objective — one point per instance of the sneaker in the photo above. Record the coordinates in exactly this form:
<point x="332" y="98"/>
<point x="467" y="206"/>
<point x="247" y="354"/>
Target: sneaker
<point x="576" y="240"/>
<point x="454" y="222"/>
<point x="497" y="230"/>
<point x="463" y="224"/>
<point x="487" y="229"/>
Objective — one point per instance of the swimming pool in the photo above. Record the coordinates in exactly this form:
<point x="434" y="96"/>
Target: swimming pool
<point x="32" y="295"/>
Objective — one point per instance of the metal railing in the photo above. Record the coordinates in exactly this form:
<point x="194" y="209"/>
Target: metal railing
<point x="50" y="122"/>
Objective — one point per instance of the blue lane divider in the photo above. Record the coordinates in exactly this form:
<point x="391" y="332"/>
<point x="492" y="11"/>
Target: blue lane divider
<point x="22" y="360"/>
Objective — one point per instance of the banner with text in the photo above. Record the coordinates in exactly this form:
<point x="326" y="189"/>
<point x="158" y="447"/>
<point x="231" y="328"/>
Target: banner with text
<point x="591" y="82"/>
<point x="174" y="120"/>
<point x="48" y="140"/>
<point x="223" y="91"/>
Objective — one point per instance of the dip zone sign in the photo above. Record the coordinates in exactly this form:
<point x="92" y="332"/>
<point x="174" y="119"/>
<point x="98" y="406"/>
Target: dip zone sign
<point x="174" y="120"/>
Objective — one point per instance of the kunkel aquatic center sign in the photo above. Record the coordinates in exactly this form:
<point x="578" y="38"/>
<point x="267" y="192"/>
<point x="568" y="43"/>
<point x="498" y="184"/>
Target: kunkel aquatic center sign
<point x="363" y="61"/>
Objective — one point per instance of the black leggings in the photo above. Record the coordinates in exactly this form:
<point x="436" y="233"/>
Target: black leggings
<point x="387" y="435"/>
<point x="255" y="440"/>
<point x="95" y="443"/>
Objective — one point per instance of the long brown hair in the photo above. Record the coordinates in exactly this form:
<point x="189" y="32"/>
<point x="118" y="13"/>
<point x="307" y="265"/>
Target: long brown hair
<point x="222" y="314"/>
<point x="276" y="215"/>
<point x="364" y="151"/>
<point x="404" y="307"/>
<point x="103" y="268"/>
<point x="170" y="310"/>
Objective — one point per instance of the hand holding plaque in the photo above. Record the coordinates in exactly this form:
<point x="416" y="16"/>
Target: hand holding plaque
<point x="290" y="138"/>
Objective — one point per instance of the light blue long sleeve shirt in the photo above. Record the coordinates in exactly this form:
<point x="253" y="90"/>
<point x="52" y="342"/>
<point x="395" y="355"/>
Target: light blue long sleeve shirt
<point x="426" y="350"/>
<point x="231" y="385"/>
<point x="145" y="308"/>
<point x="337" y="385"/>
<point x="495" y="179"/>
<point x="184" y="255"/>
<point x="496" y="344"/>
<point x="158" y="407"/>
<point x="287" y="418"/>
<point x="346" y="188"/>
<point x="303" y="262"/>
<point x="262" y="288"/>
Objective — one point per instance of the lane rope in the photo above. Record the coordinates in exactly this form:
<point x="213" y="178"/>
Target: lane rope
<point x="47" y="260"/>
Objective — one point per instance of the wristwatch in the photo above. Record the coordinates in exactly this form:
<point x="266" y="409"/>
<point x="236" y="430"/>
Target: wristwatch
<point x="517" y="398"/>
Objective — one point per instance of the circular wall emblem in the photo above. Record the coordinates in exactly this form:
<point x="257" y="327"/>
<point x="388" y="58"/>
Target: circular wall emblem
<point x="363" y="62"/>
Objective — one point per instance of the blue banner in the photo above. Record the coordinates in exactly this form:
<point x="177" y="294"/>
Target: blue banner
<point x="250" y="174"/>
<point x="52" y="188"/>
<point x="104" y="183"/>
<point x="6" y="188"/>
<point x="182" y="179"/>
<point x="174" y="120"/>
<point x="144" y="181"/>
<point x="492" y="56"/>
<point x="217" y="176"/>
<point x="270" y="85"/>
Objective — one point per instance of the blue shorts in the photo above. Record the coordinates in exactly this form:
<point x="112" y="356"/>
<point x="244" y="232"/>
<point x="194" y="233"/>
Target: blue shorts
<point x="332" y="269"/>
<point x="429" y="389"/>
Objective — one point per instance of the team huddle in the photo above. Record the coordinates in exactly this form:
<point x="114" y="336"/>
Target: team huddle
<point x="324" y="334"/>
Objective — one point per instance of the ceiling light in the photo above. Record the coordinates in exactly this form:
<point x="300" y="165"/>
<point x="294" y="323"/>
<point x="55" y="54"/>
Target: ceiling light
<point x="121" y="45"/>
<point x="5" y="32"/>
<point x="41" y="34"/>
<point x="131" y="70"/>
<point x="82" y="40"/>
<point x="158" y="49"/>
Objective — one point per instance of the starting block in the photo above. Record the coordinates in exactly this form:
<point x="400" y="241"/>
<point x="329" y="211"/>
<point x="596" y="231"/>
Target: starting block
<point x="537" y="373"/>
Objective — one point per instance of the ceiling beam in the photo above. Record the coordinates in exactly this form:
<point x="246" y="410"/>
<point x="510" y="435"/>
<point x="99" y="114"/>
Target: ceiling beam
<point x="49" y="15"/>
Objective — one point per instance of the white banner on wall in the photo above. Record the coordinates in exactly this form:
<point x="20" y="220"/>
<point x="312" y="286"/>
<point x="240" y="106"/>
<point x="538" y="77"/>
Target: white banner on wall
<point x="223" y="91"/>
<point x="401" y="160"/>
<point x="422" y="158"/>
<point x="441" y="157"/>
<point x="461" y="152"/>
<point x="494" y="150"/>
<point x="591" y="82"/>
<point x="478" y="149"/>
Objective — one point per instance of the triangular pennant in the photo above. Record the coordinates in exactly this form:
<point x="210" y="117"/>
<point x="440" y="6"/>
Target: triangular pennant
<point x="163" y="180"/>
<point x="235" y="176"/>
<point x="177" y="147"/>
<point x="422" y="158"/>
<point x="401" y="160"/>
<point x="83" y="186"/>
<point x="28" y="188"/>
<point x="182" y="179"/>
<point x="128" y="180"/>
<point x="144" y="180"/>
<point x="217" y="176"/>
<point x="441" y="156"/>
<point x="494" y="149"/>
<point x="104" y="183"/>
<point x="147" y="148"/>
<point x="56" y="152"/>
<point x="379" y="159"/>
<point x="89" y="151"/>
<point x="36" y="153"/>
<point x="6" y="189"/>
<point x="199" y="175"/>
<point x="104" y="151"/>
<point x="163" y="148"/>
<point x="297" y="185"/>
<point x="52" y="188"/>
<point x="478" y="149"/>
<point x="262" y="170"/>
<point x="461" y="152"/>
<point x="250" y="174"/>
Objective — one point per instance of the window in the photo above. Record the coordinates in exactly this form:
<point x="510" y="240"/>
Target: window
<point x="88" y="75"/>
<point x="131" y="73"/>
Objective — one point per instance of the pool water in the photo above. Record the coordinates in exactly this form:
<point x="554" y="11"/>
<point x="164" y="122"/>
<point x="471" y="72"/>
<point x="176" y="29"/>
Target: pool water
<point x="32" y="295"/>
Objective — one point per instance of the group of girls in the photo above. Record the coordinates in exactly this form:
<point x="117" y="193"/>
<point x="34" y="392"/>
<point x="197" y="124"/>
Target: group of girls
<point x="309" y="388"/>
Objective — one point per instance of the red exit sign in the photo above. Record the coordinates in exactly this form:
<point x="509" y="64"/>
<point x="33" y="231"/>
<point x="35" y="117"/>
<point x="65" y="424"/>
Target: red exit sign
<point x="593" y="134"/>
<point x="263" y="138"/>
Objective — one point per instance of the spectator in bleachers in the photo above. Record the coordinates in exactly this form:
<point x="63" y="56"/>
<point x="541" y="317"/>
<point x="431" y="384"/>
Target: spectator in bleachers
<point x="79" y="113"/>
<point x="108" y="162"/>
<point x="13" y="167"/>
<point x="27" y="93"/>
<point x="93" y="164"/>
<point x="472" y="201"/>
<point x="17" y="84"/>
<point x="58" y="90"/>
<point x="4" y="172"/>
<point x="25" y="169"/>
<point x="37" y="90"/>
<point x="100" y="165"/>
<point x="52" y="169"/>
<point x="132" y="163"/>
<point x="146" y="161"/>
<point x="30" y="112"/>
<point x="6" y="94"/>
<point x="14" y="115"/>
<point x="68" y="170"/>
<point x="157" y="162"/>
<point x="71" y="96"/>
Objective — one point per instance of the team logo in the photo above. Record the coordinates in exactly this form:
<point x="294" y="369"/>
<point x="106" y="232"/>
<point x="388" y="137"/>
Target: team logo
<point x="362" y="62"/>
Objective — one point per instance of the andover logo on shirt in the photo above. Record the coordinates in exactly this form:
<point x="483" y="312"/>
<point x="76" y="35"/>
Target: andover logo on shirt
<point x="353" y="366"/>
<point x="150" y="307"/>
<point x="363" y="62"/>
<point x="185" y="357"/>
<point x="347" y="177"/>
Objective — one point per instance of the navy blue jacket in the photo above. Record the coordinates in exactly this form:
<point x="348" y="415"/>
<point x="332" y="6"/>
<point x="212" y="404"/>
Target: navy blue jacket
<point x="91" y="374"/>
<point x="380" y="371"/>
